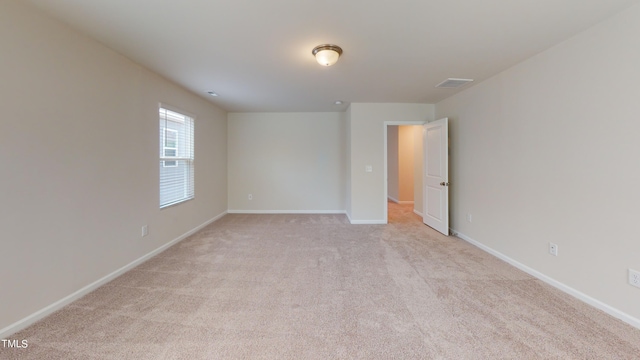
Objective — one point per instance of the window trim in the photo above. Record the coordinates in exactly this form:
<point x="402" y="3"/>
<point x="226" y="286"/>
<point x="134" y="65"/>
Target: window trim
<point x="190" y="160"/>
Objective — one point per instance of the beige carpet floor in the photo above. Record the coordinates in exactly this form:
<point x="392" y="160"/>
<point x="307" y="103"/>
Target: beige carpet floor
<point x="316" y="287"/>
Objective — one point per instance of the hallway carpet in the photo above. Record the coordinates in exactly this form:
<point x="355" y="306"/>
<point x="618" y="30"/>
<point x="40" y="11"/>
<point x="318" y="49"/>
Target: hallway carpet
<point x="316" y="287"/>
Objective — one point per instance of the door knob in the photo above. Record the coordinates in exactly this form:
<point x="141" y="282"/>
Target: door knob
<point x="444" y="184"/>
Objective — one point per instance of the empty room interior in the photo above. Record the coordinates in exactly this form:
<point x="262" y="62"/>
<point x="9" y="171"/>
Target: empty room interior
<point x="317" y="180"/>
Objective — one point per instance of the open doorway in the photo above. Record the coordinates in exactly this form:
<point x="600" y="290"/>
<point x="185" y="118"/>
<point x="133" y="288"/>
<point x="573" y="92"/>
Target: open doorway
<point x="404" y="172"/>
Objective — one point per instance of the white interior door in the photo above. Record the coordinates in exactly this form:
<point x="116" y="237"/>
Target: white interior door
<point x="436" y="175"/>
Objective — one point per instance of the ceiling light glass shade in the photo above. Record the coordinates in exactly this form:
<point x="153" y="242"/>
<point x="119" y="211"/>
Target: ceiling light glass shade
<point x="327" y="55"/>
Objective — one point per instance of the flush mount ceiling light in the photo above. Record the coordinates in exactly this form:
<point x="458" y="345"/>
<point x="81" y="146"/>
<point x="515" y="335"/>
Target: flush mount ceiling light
<point x="327" y="54"/>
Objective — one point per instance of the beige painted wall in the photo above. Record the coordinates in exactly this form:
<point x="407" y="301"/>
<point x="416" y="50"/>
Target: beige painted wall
<point x="368" y="202"/>
<point x="406" y="163"/>
<point x="418" y="157"/>
<point x="393" y="166"/>
<point x="79" y="138"/>
<point x="401" y="162"/>
<point x="547" y="151"/>
<point x="347" y="168"/>
<point x="287" y="161"/>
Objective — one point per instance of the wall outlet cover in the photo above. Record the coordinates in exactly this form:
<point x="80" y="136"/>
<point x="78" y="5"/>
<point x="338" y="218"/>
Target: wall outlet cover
<point x="634" y="277"/>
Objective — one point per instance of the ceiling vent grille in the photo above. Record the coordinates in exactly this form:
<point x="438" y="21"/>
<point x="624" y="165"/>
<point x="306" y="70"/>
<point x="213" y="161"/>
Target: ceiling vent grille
<point x="453" y="83"/>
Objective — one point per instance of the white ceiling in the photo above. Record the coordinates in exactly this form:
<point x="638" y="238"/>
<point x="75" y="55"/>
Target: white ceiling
<point x="257" y="53"/>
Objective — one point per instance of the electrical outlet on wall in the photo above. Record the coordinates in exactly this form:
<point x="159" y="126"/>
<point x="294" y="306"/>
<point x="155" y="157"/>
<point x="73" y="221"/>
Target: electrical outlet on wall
<point x="469" y="218"/>
<point x="145" y="230"/>
<point x="634" y="278"/>
<point x="553" y="249"/>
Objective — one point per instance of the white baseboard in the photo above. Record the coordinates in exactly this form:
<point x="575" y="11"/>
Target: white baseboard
<point x="401" y="202"/>
<point x="286" y="211"/>
<point x="417" y="213"/>
<point x="38" y="315"/>
<point x="565" y="288"/>
<point x="355" y="222"/>
<point x="367" y="222"/>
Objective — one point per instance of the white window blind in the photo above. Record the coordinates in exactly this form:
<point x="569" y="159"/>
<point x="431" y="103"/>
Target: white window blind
<point x="176" y="158"/>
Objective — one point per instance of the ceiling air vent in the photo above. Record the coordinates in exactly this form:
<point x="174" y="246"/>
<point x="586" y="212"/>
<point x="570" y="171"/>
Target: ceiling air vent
<point x="453" y="83"/>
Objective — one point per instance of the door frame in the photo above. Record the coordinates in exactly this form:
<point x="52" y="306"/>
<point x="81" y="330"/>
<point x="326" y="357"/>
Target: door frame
<point x="386" y="174"/>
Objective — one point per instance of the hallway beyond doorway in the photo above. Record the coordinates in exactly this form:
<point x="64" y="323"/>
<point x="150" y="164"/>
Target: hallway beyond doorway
<point x="401" y="213"/>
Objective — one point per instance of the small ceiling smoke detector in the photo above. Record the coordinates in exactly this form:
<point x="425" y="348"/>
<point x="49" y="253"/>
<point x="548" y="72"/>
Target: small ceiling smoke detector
<point x="453" y="83"/>
<point x="338" y="102"/>
<point x="212" y="93"/>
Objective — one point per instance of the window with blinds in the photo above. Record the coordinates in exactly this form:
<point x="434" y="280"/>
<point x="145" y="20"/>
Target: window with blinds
<point x="176" y="158"/>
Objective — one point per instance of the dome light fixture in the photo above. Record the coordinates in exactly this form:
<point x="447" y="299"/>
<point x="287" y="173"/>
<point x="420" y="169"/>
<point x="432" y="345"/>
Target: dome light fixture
<point x="327" y="54"/>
